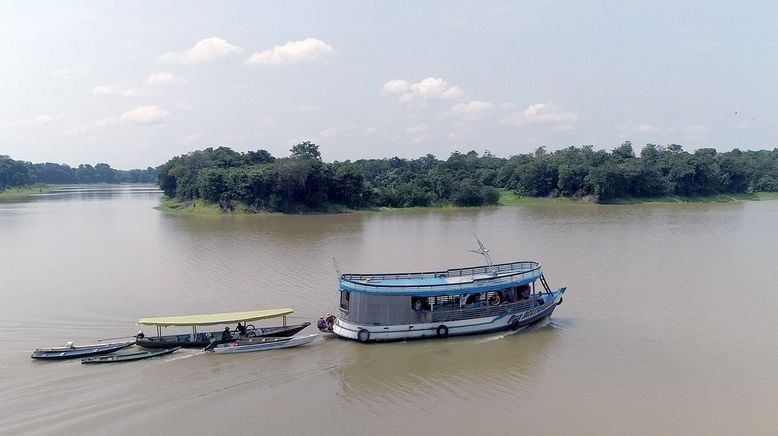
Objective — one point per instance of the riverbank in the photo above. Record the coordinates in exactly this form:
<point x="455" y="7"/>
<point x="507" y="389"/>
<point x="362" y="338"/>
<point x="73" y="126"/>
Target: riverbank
<point x="200" y="207"/>
<point x="15" y="194"/>
<point x="507" y="199"/>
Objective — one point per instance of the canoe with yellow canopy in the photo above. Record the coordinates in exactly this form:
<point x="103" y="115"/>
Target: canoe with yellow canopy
<point x="206" y="339"/>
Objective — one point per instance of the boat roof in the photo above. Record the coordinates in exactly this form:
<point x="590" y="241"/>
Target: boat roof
<point x="215" y="318"/>
<point x="457" y="281"/>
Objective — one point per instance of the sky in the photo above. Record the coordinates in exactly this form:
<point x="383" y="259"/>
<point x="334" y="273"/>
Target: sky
<point x="133" y="84"/>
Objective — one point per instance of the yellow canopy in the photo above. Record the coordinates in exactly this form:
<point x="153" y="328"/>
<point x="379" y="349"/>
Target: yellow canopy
<point x="214" y="318"/>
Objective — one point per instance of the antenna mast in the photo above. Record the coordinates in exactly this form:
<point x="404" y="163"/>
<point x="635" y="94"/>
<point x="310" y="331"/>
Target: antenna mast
<point x="483" y="251"/>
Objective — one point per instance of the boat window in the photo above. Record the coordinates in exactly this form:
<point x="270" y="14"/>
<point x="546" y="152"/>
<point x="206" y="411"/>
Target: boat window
<point x="344" y="299"/>
<point x="444" y="301"/>
<point x="420" y="304"/>
<point x="523" y="291"/>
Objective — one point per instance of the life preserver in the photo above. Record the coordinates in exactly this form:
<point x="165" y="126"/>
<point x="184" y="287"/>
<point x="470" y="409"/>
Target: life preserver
<point x="251" y="334"/>
<point x="442" y="331"/>
<point x="514" y="323"/>
<point x="250" y="327"/>
<point x="363" y="335"/>
<point x="494" y="300"/>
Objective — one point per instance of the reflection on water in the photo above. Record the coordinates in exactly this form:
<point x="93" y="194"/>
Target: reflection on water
<point x="667" y="327"/>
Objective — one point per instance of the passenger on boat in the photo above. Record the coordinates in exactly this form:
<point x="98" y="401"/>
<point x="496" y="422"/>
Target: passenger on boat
<point x="226" y="334"/>
<point x="474" y="299"/>
<point x="242" y="329"/>
<point x="321" y="323"/>
<point x="330" y="321"/>
<point x="140" y="335"/>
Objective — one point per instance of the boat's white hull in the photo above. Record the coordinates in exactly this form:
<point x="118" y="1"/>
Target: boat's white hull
<point x="294" y="342"/>
<point x="505" y="321"/>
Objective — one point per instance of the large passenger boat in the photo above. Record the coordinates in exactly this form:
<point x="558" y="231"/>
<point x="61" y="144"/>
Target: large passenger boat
<point x="459" y="301"/>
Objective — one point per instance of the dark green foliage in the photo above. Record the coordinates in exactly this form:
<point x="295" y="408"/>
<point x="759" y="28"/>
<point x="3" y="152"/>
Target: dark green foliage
<point x="303" y="182"/>
<point x="18" y="173"/>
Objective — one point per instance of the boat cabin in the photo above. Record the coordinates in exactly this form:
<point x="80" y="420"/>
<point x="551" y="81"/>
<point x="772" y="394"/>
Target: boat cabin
<point x="442" y="296"/>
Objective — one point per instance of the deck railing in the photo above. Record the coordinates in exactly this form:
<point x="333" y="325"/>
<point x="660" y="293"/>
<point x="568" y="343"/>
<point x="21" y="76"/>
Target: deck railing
<point x="362" y="283"/>
<point x="454" y="272"/>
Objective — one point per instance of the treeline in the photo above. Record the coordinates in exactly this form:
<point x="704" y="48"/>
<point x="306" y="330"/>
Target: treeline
<point x="303" y="182"/>
<point x="14" y="173"/>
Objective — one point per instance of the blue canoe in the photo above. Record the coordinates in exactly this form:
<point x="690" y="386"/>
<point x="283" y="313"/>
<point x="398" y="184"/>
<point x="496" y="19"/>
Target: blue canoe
<point x="60" y="353"/>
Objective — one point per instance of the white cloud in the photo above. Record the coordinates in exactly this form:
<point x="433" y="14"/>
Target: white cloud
<point x="309" y="49"/>
<point x="88" y="128"/>
<point x="337" y="131"/>
<point x="116" y="91"/>
<point x="205" y="50"/>
<point x="418" y="133"/>
<point x="631" y="126"/>
<point x="694" y="131"/>
<point x="470" y="111"/>
<point x="395" y="87"/>
<point x="542" y="113"/>
<point x="146" y="115"/>
<point x="431" y="88"/>
<point x="305" y="108"/>
<point x="32" y="123"/>
<point x="192" y="138"/>
<point x="163" y="78"/>
<point x="71" y="72"/>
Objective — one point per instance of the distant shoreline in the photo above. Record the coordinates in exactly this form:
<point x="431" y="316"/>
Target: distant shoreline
<point x="11" y="194"/>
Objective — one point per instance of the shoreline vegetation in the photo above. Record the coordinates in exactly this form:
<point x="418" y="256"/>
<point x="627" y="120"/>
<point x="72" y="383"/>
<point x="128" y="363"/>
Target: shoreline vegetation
<point x="224" y="181"/>
<point x="507" y="199"/>
<point x="21" y="174"/>
<point x="232" y="182"/>
<point x="20" y="193"/>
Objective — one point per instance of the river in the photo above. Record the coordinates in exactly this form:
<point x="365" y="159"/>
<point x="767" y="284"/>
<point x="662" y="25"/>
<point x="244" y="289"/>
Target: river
<point x="668" y="325"/>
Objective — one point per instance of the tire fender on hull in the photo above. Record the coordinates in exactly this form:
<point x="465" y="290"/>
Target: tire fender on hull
<point x="442" y="331"/>
<point x="363" y="335"/>
<point x="514" y="323"/>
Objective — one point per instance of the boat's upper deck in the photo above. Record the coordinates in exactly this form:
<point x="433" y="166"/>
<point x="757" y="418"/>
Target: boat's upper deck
<point x="455" y="281"/>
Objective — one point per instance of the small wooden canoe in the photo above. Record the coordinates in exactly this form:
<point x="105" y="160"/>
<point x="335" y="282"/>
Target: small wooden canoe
<point x="129" y="357"/>
<point x="262" y="344"/>
<point x="73" y="352"/>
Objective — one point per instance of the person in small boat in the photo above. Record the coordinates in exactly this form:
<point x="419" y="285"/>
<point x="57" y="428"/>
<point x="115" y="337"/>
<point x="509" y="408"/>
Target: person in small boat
<point x="330" y="322"/>
<point x="321" y="323"/>
<point x="140" y="335"/>
<point x="242" y="329"/>
<point x="226" y="334"/>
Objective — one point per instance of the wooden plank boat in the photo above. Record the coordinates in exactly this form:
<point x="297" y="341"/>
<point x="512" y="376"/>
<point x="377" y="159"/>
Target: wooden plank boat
<point x="262" y="344"/>
<point x="212" y="338"/>
<point x="71" y="352"/>
<point x="128" y="357"/>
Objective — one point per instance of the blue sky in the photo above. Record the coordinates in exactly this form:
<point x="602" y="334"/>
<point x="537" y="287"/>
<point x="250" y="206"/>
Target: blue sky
<point x="134" y="83"/>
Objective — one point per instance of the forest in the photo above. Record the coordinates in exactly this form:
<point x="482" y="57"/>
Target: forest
<point x="303" y="182"/>
<point x="14" y="173"/>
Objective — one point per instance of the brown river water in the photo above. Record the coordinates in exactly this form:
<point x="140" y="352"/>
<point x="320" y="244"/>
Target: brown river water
<point x="668" y="326"/>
